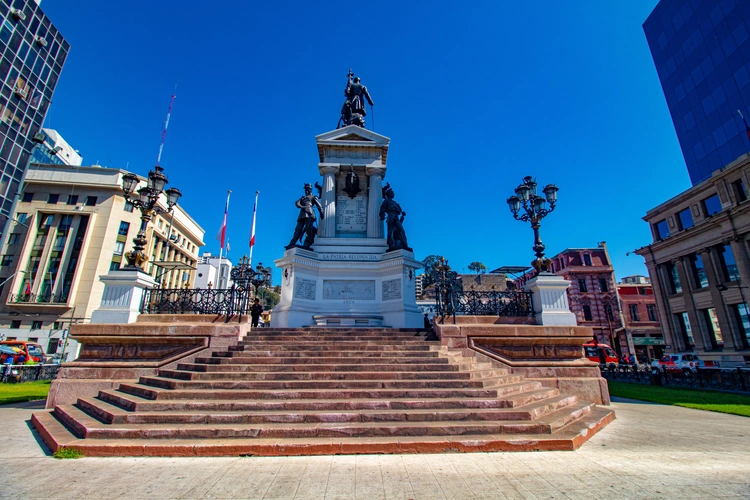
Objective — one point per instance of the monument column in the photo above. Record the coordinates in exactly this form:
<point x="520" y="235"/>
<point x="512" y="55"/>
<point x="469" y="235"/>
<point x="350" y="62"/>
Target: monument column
<point x="328" y="224"/>
<point x="374" y="199"/>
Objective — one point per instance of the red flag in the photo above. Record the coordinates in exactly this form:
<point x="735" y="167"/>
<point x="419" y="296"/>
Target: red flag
<point x="252" y="229"/>
<point x="747" y="127"/>
<point x="221" y="236"/>
<point x="28" y="289"/>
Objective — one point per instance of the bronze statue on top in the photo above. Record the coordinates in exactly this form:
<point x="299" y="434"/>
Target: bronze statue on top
<point x="396" y="234"/>
<point x="306" y="219"/>
<point x="353" y="111"/>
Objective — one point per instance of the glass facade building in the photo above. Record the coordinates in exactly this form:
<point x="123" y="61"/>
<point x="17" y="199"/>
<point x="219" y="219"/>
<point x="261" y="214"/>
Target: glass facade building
<point x="701" y="49"/>
<point x="32" y="54"/>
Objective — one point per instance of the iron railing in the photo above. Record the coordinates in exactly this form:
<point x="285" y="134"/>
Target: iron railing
<point x="452" y="301"/>
<point x="28" y="373"/>
<point x="725" y="379"/>
<point x="221" y="301"/>
<point x="37" y="298"/>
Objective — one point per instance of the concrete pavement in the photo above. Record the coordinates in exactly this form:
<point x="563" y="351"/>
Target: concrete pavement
<point x="650" y="451"/>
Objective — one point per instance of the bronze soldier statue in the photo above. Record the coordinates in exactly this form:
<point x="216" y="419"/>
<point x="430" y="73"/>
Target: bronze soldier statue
<point x="306" y="219"/>
<point x="396" y="234"/>
<point x="353" y="112"/>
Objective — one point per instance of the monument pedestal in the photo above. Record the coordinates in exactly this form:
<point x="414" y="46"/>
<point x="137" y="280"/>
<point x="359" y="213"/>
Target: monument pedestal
<point x="347" y="289"/>
<point x="550" y="298"/>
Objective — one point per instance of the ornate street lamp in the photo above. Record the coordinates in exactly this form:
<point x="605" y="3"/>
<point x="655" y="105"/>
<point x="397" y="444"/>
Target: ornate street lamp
<point x="145" y="199"/>
<point x="244" y="276"/>
<point x="532" y="208"/>
<point x="261" y="277"/>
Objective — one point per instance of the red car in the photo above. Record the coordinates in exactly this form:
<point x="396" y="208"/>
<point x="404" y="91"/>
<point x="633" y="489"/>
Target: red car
<point x="592" y="352"/>
<point x="27" y="351"/>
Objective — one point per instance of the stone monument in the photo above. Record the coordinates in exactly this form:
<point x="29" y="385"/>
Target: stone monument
<point x="349" y="271"/>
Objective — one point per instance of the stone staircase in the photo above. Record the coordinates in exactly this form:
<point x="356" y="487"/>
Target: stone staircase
<point x="324" y="391"/>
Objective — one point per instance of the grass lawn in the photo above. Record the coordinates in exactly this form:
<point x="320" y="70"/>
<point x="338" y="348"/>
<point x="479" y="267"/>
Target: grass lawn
<point x="26" y="391"/>
<point x="736" y="404"/>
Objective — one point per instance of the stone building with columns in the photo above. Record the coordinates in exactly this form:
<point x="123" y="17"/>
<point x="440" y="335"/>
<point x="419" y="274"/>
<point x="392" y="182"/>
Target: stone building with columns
<point x="71" y="226"/>
<point x="699" y="263"/>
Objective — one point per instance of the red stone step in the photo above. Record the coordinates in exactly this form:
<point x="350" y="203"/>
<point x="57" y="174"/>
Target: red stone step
<point x="273" y="353"/>
<point x="241" y="364"/>
<point x="328" y="359"/>
<point x="110" y="413"/>
<point x="377" y="375"/>
<point x="87" y="426"/>
<point x="158" y="393"/>
<point x="316" y="346"/>
<point x="568" y="438"/>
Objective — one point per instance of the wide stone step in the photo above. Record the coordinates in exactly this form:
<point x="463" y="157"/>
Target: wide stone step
<point x="569" y="438"/>
<point x="168" y="383"/>
<point x="377" y="375"/>
<point x="86" y="426"/>
<point x="273" y="353"/>
<point x="159" y="393"/>
<point x="335" y="348"/>
<point x="110" y="413"/>
<point x="338" y="340"/>
<point x="134" y="403"/>
<point x="241" y="364"/>
<point x="328" y="359"/>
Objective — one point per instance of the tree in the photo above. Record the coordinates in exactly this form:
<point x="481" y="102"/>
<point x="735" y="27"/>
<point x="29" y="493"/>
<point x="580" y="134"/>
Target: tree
<point x="478" y="267"/>
<point x="431" y="274"/>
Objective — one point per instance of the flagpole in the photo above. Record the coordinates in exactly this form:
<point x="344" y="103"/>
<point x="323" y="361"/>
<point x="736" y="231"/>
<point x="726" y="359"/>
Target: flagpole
<point x="223" y="233"/>
<point x="252" y="228"/>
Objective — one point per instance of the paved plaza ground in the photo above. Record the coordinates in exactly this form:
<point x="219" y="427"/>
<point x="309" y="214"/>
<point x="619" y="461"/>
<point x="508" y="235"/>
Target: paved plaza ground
<point x="650" y="451"/>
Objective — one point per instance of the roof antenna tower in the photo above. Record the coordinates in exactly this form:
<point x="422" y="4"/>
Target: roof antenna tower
<point x="166" y="126"/>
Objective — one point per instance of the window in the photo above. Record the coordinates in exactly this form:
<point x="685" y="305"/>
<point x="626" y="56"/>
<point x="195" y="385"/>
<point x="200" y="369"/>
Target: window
<point x="91" y="201"/>
<point x="72" y="199"/>
<point x="28" y="197"/>
<point x="608" y="312"/>
<point x="7" y="261"/>
<point x="739" y="190"/>
<point x="603" y="286"/>
<point x="586" y="259"/>
<point x="119" y="247"/>
<point x="21" y="217"/>
<point x="57" y="325"/>
<point x="15" y="324"/>
<point x="587" y="313"/>
<point x="714" y="330"/>
<point x="129" y="206"/>
<point x="685" y="219"/>
<point x="687" y="331"/>
<point x="699" y="271"/>
<point x="114" y="266"/>
<point x="651" y="308"/>
<point x="633" y="309"/>
<point x="662" y="229"/>
<point x="124" y="227"/>
<point x="53" y="198"/>
<point x="36" y="325"/>
<point x="14" y="238"/>
<point x="642" y="290"/>
<point x="711" y="205"/>
<point x="727" y="263"/>
<point x="53" y="346"/>
<point x="742" y="315"/>
<point x="674" y="278"/>
<point x="582" y="285"/>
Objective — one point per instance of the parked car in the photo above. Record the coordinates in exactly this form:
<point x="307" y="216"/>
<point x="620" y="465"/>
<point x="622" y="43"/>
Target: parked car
<point x="27" y="352"/>
<point x="592" y="352"/>
<point x="685" y="363"/>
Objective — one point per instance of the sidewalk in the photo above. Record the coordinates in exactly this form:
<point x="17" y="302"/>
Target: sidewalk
<point x="650" y="451"/>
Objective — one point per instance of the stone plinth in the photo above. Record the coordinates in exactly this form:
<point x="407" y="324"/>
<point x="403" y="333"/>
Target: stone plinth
<point x="552" y="355"/>
<point x="122" y="297"/>
<point x="112" y="354"/>
<point x="551" y="300"/>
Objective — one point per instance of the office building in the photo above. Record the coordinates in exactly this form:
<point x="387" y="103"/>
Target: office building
<point x="699" y="263"/>
<point x="213" y="272"/>
<point x="701" y="49"/>
<point x="52" y="149"/>
<point x="71" y="226"/>
<point x="33" y="55"/>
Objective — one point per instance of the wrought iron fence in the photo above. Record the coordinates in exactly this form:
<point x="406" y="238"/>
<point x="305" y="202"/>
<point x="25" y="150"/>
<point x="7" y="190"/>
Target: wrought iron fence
<point x="221" y="301"/>
<point x="34" y="298"/>
<point x="29" y="373"/>
<point x="452" y="301"/>
<point x="726" y="379"/>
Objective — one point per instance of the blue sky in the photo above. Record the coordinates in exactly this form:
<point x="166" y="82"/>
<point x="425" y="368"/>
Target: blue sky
<point x="474" y="96"/>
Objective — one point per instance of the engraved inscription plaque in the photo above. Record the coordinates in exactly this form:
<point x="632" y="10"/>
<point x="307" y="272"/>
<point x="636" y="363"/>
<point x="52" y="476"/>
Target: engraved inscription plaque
<point x="392" y="289"/>
<point x="349" y="289"/>
<point x="304" y="289"/>
<point x="351" y="214"/>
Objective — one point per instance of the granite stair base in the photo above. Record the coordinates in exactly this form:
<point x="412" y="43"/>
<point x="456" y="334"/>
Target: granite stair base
<point x="324" y="391"/>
